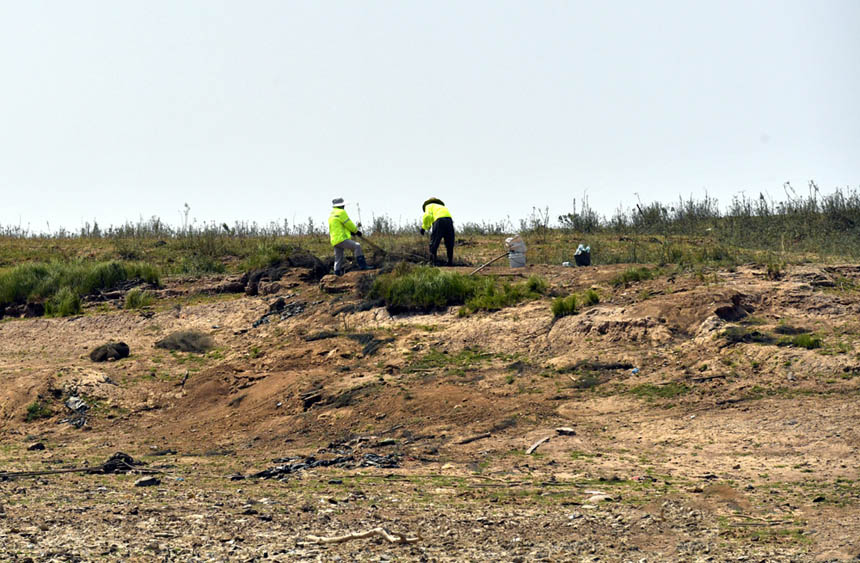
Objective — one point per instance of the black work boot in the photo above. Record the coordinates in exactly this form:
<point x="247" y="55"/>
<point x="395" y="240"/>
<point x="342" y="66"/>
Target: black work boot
<point x="362" y="263"/>
<point x="338" y="272"/>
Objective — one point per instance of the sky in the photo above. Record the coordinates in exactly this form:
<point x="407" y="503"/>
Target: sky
<point x="112" y="111"/>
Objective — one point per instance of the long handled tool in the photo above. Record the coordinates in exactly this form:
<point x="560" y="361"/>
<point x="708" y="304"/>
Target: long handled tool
<point x="482" y="266"/>
<point x="374" y="246"/>
<point x="395" y="255"/>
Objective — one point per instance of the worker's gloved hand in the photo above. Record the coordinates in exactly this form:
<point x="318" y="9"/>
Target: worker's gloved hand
<point x="358" y="234"/>
<point x="421" y="230"/>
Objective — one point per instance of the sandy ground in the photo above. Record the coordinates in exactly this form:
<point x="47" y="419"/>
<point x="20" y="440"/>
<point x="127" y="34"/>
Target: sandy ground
<point x="683" y="444"/>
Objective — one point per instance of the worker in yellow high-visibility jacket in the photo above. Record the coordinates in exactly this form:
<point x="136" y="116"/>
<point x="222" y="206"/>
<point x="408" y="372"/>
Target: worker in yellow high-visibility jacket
<point x="437" y="219"/>
<point x="341" y="229"/>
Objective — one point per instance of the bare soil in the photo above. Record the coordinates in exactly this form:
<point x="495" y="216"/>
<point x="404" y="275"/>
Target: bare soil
<point x="683" y="444"/>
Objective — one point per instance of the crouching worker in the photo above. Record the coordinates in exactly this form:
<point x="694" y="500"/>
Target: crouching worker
<point x="437" y="219"/>
<point x="341" y="229"/>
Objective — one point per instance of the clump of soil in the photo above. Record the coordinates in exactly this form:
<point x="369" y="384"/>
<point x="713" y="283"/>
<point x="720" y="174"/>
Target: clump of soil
<point x="110" y="352"/>
<point x="187" y="341"/>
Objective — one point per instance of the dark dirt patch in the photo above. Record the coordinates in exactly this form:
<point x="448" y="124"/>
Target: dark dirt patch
<point x="187" y="341"/>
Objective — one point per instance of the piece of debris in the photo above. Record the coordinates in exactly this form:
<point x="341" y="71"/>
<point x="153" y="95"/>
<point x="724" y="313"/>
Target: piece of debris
<point x="565" y="431"/>
<point x="118" y="463"/>
<point x="187" y="341"/>
<point x="79" y="409"/>
<point x="471" y="439"/>
<point x="599" y="497"/>
<point x="536" y="445"/>
<point x="38" y="446"/>
<point x="375" y="460"/>
<point x="237" y="477"/>
<point x="109" y="352"/>
<point x="381" y="532"/>
<point x="292" y="465"/>
<point x="147" y="482"/>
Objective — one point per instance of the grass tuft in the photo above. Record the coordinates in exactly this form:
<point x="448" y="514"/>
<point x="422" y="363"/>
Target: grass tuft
<point x="63" y="304"/>
<point x="38" y="410"/>
<point x="564" y="306"/>
<point x="138" y="298"/>
<point x="590" y="297"/>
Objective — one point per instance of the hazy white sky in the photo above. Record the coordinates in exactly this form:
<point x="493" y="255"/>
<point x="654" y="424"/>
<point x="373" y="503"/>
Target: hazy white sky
<point x="264" y="110"/>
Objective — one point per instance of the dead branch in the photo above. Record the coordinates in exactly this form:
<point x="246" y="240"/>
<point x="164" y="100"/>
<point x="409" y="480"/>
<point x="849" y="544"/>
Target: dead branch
<point x="537" y="444"/>
<point x="381" y="532"/>
<point x="471" y="439"/>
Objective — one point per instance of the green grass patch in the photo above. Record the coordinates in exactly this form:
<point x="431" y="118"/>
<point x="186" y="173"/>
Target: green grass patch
<point x="40" y="281"/>
<point x="492" y="297"/>
<point x="649" y="391"/>
<point x="570" y="305"/>
<point x="632" y="275"/>
<point x="423" y="289"/>
<point x="38" y="410"/>
<point x="808" y="341"/>
<point x="464" y="359"/>
<point x="738" y="334"/>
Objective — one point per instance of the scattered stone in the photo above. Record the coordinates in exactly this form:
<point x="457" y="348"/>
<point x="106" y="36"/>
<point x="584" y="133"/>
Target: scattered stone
<point x="109" y="352"/>
<point x="270" y="288"/>
<point x="295" y="464"/>
<point x="35" y="447"/>
<point x="281" y="312"/>
<point x="147" y="482"/>
<point x="566" y="431"/>
<point x="237" y="477"/>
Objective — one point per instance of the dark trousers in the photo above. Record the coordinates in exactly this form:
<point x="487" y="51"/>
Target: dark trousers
<point x="443" y="229"/>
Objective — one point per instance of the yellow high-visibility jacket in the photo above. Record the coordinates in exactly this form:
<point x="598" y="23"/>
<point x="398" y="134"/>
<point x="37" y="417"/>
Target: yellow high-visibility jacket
<point x="432" y="212"/>
<point x="339" y="226"/>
